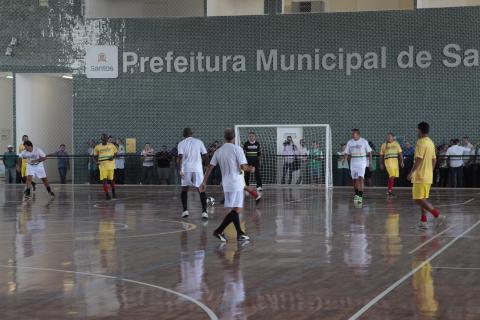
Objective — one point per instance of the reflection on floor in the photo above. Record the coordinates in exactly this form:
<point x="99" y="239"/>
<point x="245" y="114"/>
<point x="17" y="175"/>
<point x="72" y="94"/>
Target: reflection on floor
<point x="313" y="255"/>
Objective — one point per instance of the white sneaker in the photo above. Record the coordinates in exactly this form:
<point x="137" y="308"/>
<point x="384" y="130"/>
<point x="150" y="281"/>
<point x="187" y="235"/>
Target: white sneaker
<point x="185" y="214"/>
<point x="440" y="221"/>
<point x="259" y="196"/>
<point x="204" y="215"/>
<point x="259" y="189"/>
<point x="423" y="225"/>
<point x="243" y="237"/>
<point x="220" y="236"/>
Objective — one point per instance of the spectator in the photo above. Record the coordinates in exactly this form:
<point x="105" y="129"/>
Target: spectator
<point x="455" y="155"/>
<point x="408" y="153"/>
<point x="63" y="163"/>
<point x="289" y="152"/>
<point x="92" y="164"/>
<point x="164" y="159"/>
<point x="147" y="158"/>
<point x="468" y="165"/>
<point x="174" y="154"/>
<point x="443" y="166"/>
<point x="342" y="166"/>
<point x="10" y="160"/>
<point x="302" y="154"/>
<point x="316" y="156"/>
<point x="371" y="168"/>
<point x="216" y="176"/>
<point x="476" y="164"/>
<point x="120" y="162"/>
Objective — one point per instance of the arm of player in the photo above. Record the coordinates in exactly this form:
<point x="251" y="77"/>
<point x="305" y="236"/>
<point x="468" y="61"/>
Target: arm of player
<point x="203" y="186"/>
<point x="416" y="165"/>
<point x="247" y="168"/>
<point x="382" y="161"/>
<point x="179" y="164"/>
<point x="400" y="159"/>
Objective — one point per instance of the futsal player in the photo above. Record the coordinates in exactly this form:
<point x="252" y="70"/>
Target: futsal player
<point x="104" y="154"/>
<point x="232" y="162"/>
<point x="390" y="157"/>
<point x="23" y="162"/>
<point x="253" y="154"/>
<point x="34" y="158"/>
<point x="191" y="153"/>
<point x="357" y="151"/>
<point x="421" y="175"/>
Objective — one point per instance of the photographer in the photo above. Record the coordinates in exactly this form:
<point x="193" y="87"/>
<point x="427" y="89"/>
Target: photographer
<point x="289" y="152"/>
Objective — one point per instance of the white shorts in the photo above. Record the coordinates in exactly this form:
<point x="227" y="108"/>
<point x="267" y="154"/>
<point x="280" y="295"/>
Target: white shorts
<point x="192" y="179"/>
<point x="36" y="171"/>
<point x="358" y="171"/>
<point x="234" y="199"/>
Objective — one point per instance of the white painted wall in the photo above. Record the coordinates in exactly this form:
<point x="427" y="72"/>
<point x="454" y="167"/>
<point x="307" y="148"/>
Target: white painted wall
<point x="44" y="113"/>
<point x="446" y="3"/>
<point x="143" y="8"/>
<point x="6" y="113"/>
<point x="235" y="7"/>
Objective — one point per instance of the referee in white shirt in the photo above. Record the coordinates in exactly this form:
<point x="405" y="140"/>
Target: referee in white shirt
<point x="232" y="162"/>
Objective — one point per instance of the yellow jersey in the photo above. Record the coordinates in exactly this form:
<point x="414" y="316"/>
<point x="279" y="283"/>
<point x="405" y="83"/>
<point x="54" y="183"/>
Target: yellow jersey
<point x="21" y="148"/>
<point x="105" y="154"/>
<point x="425" y="150"/>
<point x="390" y="152"/>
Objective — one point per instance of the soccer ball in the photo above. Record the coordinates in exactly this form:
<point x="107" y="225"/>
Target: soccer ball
<point x="210" y="201"/>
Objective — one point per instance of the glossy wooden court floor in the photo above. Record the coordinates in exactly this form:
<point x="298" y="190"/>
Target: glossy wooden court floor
<point x="313" y="255"/>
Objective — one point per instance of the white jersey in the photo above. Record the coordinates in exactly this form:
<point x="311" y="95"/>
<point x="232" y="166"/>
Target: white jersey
<point x="34" y="155"/>
<point x="358" y="151"/>
<point x="191" y="150"/>
<point x="230" y="157"/>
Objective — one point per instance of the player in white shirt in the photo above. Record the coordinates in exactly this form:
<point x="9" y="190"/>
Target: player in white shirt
<point x="191" y="153"/>
<point x="232" y="162"/>
<point x="34" y="158"/>
<point x="357" y="151"/>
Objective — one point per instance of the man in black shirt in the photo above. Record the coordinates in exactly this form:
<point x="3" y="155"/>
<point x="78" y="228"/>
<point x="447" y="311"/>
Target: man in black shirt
<point x="253" y="153"/>
<point x="164" y="159"/>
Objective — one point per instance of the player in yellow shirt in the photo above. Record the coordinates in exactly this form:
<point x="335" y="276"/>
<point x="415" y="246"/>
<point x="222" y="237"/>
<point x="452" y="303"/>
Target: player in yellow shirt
<point x="422" y="175"/>
<point x="104" y="154"/>
<point x="23" y="162"/>
<point x="390" y="157"/>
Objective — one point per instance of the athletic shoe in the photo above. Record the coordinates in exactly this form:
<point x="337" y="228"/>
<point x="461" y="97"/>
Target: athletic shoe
<point x="360" y="200"/>
<point x="423" y="225"/>
<point x="259" y="196"/>
<point x="259" y="189"/>
<point x="107" y="196"/>
<point x="185" y="214"/>
<point x="220" y="236"/>
<point x="390" y="194"/>
<point x="243" y="237"/>
<point x="52" y="194"/>
<point x="440" y="220"/>
<point x="356" y="198"/>
<point x="204" y="215"/>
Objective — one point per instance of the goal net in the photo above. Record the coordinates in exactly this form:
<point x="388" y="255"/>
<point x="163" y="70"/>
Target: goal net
<point x="290" y="154"/>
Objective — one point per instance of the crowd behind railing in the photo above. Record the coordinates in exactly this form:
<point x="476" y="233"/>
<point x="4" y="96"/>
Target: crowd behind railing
<point x="458" y="166"/>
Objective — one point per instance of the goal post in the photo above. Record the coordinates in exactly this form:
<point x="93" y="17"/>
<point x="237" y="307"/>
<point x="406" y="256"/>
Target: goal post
<point x="305" y="160"/>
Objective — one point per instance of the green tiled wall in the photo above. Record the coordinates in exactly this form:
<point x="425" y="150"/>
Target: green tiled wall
<point x="155" y="107"/>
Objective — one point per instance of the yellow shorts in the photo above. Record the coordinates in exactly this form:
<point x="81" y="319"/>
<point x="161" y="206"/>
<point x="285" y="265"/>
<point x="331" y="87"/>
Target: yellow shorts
<point x="421" y="191"/>
<point x="23" y="169"/>
<point x="393" y="172"/>
<point x="106" y="174"/>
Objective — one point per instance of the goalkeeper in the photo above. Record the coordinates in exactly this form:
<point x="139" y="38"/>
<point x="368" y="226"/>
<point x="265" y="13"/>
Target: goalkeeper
<point x="253" y="154"/>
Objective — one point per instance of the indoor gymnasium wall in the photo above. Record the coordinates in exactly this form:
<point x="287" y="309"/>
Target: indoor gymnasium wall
<point x="154" y="107"/>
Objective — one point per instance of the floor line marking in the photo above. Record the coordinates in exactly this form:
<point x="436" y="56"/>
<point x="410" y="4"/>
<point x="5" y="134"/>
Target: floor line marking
<point x="207" y="310"/>
<point x="429" y="240"/>
<point x="457" y="268"/>
<point x="457" y="204"/>
<point x="379" y="297"/>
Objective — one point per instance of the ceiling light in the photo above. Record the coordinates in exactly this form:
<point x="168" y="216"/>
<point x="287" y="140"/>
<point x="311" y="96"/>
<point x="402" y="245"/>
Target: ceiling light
<point x="9" y="77"/>
<point x="65" y="76"/>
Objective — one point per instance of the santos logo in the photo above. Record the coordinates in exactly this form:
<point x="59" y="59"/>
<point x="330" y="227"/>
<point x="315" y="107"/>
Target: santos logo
<point x="101" y="61"/>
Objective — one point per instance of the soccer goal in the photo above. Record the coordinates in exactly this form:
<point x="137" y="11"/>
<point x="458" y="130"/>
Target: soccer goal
<point x="291" y="153"/>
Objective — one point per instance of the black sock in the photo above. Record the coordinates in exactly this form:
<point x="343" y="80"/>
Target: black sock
<point x="360" y="193"/>
<point x="27" y="191"/>
<point x="184" y="197"/>
<point x="49" y="189"/>
<point x="203" y="200"/>
<point x="356" y="192"/>
<point x="226" y="221"/>
<point x="236" y="223"/>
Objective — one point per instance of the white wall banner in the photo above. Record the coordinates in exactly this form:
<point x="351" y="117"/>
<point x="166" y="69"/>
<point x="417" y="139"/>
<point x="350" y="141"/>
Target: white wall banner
<point x="101" y="61"/>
